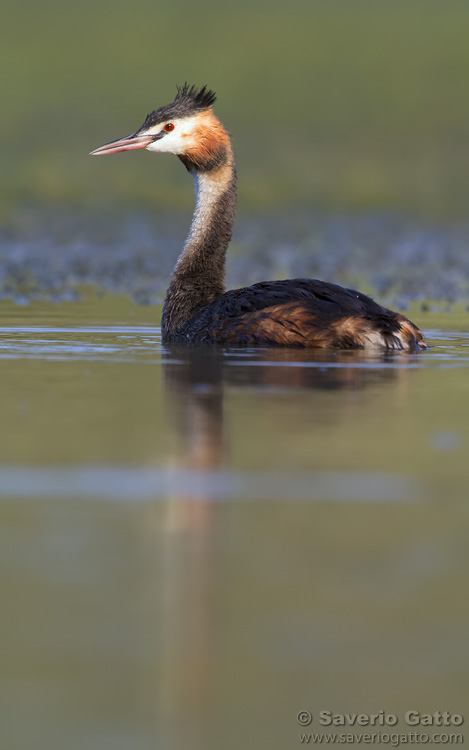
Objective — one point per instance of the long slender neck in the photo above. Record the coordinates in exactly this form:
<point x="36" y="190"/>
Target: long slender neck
<point x="199" y="275"/>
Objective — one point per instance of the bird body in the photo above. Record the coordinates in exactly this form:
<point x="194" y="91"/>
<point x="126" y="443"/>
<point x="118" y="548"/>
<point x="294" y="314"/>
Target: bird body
<point x="197" y="308"/>
<point x="300" y="312"/>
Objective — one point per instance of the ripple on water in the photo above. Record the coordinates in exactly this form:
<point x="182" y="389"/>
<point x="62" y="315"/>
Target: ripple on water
<point x="112" y="343"/>
<point x="137" y="485"/>
<point x="125" y="343"/>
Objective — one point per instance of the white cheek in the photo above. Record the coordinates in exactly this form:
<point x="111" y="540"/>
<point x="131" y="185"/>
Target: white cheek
<point x="176" y="142"/>
<point x="170" y="143"/>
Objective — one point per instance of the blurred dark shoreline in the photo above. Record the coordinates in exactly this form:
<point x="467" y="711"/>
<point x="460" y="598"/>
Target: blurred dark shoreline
<point x="399" y="260"/>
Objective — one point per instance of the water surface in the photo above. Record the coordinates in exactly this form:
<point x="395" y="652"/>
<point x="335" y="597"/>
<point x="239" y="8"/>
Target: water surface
<point x="197" y="544"/>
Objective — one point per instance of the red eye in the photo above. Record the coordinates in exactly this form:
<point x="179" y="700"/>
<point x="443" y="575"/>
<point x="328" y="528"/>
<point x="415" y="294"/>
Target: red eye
<point x="168" y="127"/>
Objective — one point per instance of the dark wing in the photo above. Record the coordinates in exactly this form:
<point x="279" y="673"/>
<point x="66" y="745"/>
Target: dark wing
<point x="302" y="312"/>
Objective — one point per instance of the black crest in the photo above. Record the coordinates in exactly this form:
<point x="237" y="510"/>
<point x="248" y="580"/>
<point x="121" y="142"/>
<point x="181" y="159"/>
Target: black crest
<point x="194" y="98"/>
<point x="188" y="101"/>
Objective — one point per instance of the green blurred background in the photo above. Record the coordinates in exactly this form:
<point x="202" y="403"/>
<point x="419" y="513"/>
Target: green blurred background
<point x="332" y="104"/>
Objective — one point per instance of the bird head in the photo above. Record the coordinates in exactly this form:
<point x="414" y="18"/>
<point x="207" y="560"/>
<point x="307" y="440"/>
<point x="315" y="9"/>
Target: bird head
<point x="187" y="127"/>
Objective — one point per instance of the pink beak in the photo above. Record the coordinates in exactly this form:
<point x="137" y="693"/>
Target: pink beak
<point x="129" y="143"/>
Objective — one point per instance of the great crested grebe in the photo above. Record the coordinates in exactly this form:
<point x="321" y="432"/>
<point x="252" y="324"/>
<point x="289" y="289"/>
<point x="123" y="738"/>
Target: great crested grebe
<point x="197" y="309"/>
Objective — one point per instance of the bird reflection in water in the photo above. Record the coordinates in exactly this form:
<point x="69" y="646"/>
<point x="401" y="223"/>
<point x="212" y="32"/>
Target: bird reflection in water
<point x="197" y="381"/>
